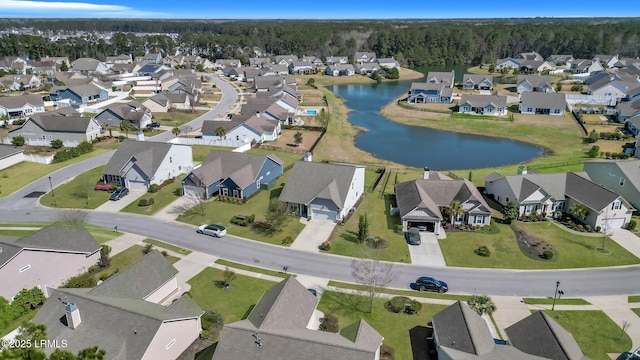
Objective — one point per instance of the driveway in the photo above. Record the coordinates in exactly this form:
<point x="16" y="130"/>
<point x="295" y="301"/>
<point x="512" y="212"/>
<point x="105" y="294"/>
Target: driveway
<point x="115" y="206"/>
<point x="627" y="240"/>
<point x="428" y="252"/>
<point x="314" y="233"/>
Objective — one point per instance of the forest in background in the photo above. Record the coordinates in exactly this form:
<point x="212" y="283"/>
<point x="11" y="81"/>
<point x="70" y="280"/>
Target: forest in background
<point x="412" y="42"/>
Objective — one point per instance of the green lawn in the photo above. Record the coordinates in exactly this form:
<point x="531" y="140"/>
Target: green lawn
<point x="549" y="301"/>
<point x="176" y="117"/>
<point x="78" y="193"/>
<point x="400" y="292"/>
<point x="394" y="327"/>
<point x="381" y="224"/>
<point x="125" y="258"/>
<point x="200" y="152"/>
<point x="634" y="298"/>
<point x="162" y="198"/>
<point x="258" y="270"/>
<point x="234" y="304"/>
<point x="574" y="251"/>
<point x="101" y="235"/>
<point x="164" y="245"/>
<point x="594" y="331"/>
<point x="19" y="175"/>
<point x="17" y="322"/>
<point x="17" y="233"/>
<point x="636" y="310"/>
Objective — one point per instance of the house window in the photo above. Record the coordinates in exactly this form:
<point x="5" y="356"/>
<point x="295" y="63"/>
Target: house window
<point x="258" y="184"/>
<point x="617" y="205"/>
<point x="170" y="159"/>
<point x="459" y="217"/>
<point x="506" y="200"/>
<point x="236" y="193"/>
<point x="25" y="268"/>
<point x="621" y="183"/>
<point x="479" y="219"/>
<point x="170" y="344"/>
<point x="529" y="109"/>
<point x="225" y="192"/>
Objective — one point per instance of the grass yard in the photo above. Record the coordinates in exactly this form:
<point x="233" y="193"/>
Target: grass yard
<point x="414" y="293"/>
<point x="176" y="117"/>
<point x="594" y="331"/>
<point x="200" y="152"/>
<point x="574" y="251"/>
<point x="234" y="304"/>
<point x="78" y="193"/>
<point x="164" y="197"/>
<point x="125" y="258"/>
<point x="101" y="235"/>
<point x="166" y="246"/>
<point x="254" y="269"/>
<point x="636" y="310"/>
<point x="16" y="233"/>
<point x="634" y="298"/>
<point x="394" y="327"/>
<point x="381" y="224"/>
<point x="19" y="175"/>
<point x="549" y="301"/>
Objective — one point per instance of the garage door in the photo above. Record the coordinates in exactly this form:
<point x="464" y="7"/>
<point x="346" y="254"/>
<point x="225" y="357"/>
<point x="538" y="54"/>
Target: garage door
<point x="325" y="215"/>
<point x="137" y="185"/>
<point x="615" y="223"/>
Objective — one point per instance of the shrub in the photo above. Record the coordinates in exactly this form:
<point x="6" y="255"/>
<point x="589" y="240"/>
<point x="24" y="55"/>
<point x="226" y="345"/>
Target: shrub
<point x="154" y="188"/>
<point x="547" y="255"/>
<point x="387" y="352"/>
<point x="251" y="218"/>
<point x="397" y="304"/>
<point x="325" y="246"/>
<point x="631" y="225"/>
<point x="580" y="227"/>
<point x="167" y="182"/>
<point x="164" y="253"/>
<point x="18" y="141"/>
<point x="204" y="334"/>
<point x="287" y="240"/>
<point x="94" y="269"/>
<point x="239" y="220"/>
<point x="329" y="323"/>
<point x="151" y="201"/>
<point x="85" y="280"/>
<point x="482" y="251"/>
<point x="588" y="228"/>
<point x="142" y="202"/>
<point x="413" y="308"/>
<point x="598" y="228"/>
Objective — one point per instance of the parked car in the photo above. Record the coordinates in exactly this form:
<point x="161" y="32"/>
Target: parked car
<point x="153" y="124"/>
<point x="422" y="227"/>
<point x="425" y="283"/>
<point x="413" y="236"/>
<point x="119" y="193"/>
<point x="212" y="230"/>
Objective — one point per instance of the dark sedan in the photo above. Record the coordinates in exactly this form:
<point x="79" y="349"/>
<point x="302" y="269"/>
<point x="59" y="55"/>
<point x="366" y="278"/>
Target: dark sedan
<point x="425" y="283"/>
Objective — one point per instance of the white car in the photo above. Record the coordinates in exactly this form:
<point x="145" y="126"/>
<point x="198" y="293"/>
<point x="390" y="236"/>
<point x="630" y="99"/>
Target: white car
<point x="212" y="230"/>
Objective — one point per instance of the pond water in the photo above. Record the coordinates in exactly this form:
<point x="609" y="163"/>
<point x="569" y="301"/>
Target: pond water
<point x="418" y="146"/>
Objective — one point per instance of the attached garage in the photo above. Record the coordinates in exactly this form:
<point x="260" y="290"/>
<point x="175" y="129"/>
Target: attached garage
<point x="137" y="185"/>
<point x="614" y="223"/>
<point x="324" y="215"/>
<point x="10" y="156"/>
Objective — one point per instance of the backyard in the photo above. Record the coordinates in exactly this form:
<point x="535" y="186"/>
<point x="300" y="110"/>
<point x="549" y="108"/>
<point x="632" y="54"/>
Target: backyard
<point x="176" y="117"/>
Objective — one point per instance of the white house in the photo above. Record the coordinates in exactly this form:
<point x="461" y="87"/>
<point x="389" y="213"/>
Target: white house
<point x="21" y="106"/>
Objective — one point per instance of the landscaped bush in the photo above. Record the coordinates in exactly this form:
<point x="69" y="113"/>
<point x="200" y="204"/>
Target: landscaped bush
<point x="397" y="304"/>
<point x="329" y="323"/>
<point x="482" y="251"/>
<point x="212" y="323"/>
<point x="151" y="201"/>
<point x="325" y="246"/>
<point x="588" y="228"/>
<point x="85" y="280"/>
<point x="64" y="155"/>
<point x="413" y="308"/>
<point x="94" y="269"/>
<point x="631" y="225"/>
<point x="240" y="220"/>
<point x="167" y="182"/>
<point x="547" y="255"/>
<point x="142" y="202"/>
<point x="154" y="188"/>
<point x="287" y="240"/>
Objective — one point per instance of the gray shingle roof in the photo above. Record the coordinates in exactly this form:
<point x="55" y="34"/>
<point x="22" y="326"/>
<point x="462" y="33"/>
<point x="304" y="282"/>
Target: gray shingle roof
<point x="476" y="79"/>
<point x="8" y="150"/>
<point x="85" y="64"/>
<point x="543" y="100"/>
<point x="498" y="101"/>
<point x="138" y="280"/>
<point x="7" y="249"/>
<point x="458" y="327"/>
<point x="132" y="111"/>
<point x="241" y="168"/>
<point x="310" y="180"/>
<point x="540" y="335"/>
<point x="535" y="80"/>
<point x="446" y="78"/>
<point x="147" y="155"/>
<point x="53" y="123"/>
<point x="13" y="102"/>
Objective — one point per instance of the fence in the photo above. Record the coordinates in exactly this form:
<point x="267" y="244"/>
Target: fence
<point x="39" y="142"/>
<point x="38" y="159"/>
<point x="208" y="141"/>
<point x="590" y="99"/>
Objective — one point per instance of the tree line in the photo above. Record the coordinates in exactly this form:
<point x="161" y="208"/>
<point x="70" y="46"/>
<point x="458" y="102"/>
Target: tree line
<point x="412" y="43"/>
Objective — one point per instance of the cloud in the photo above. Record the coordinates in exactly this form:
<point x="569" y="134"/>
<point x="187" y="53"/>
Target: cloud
<point x="45" y="9"/>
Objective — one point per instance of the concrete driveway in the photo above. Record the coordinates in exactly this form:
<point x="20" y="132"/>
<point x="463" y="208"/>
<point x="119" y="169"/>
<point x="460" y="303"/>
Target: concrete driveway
<point x="626" y="239"/>
<point x="314" y="233"/>
<point x="428" y="252"/>
<point x="115" y="206"/>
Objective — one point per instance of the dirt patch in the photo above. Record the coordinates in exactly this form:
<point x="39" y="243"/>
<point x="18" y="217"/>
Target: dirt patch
<point x="286" y="141"/>
<point x="532" y="246"/>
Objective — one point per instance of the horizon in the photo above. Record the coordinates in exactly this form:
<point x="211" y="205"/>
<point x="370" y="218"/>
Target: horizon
<point x="331" y="10"/>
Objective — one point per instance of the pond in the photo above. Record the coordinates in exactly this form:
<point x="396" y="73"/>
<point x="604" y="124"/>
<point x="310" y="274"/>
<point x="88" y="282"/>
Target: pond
<point x="419" y="146"/>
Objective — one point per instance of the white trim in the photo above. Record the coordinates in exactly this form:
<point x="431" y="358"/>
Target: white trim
<point x="170" y="344"/>
<point x="25" y="268"/>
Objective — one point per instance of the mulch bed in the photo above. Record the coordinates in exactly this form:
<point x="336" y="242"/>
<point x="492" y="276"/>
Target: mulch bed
<point x="532" y="246"/>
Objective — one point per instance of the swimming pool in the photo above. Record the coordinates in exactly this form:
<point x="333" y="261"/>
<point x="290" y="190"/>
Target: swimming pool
<point x="310" y="112"/>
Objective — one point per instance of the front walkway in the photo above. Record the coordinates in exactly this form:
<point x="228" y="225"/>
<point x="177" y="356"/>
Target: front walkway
<point x="314" y="233"/>
<point x="509" y="310"/>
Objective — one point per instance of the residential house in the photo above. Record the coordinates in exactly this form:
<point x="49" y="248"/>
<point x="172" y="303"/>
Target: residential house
<point x="134" y="112"/>
<point x="139" y="164"/>
<point x="20" y="82"/>
<point x="9" y="156"/>
<point x="335" y="60"/>
<point x="532" y="55"/>
<point x="430" y="93"/>
<point x="87" y="66"/>
<point x="390" y="63"/>
<point x="559" y="59"/>
<point x="285" y="59"/>
<point x="59" y="60"/>
<point x="483" y="104"/>
<point x="508" y="63"/>
<point x="125" y="315"/>
<point x="535" y="83"/>
<point x="44" y="67"/>
<point x="301" y="67"/>
<point x="280" y="327"/>
<point x="424" y="202"/>
<point x="13" y="63"/>
<point x="45" y="127"/>
<point x="276" y="69"/>
<point x="244" y="128"/>
<point x="180" y="101"/>
<point x="459" y="333"/>
<point x="445" y="78"/>
<point x="173" y="61"/>
<point x="477" y="82"/>
<point x="257" y="62"/>
<point x="367" y="68"/>
<point x="234" y="174"/>
<point x="221" y="64"/>
<point x="545" y="103"/>
<point x="158" y="103"/>
<point x="627" y="109"/>
<point x="147" y="69"/>
<point x="48" y="257"/>
<point x="323" y="191"/>
<point x="621" y="177"/>
<point x="617" y="84"/>
<point x="120" y="59"/>
<point x="526" y="63"/>
<point x="68" y="79"/>
<point x="340" y="70"/>
<point x="364" y="57"/>
<point x="633" y="125"/>
<point x="150" y="58"/>
<point x="80" y="94"/>
<point x="585" y="67"/>
<point x="535" y="66"/>
<point x="607" y="61"/>
<point x="17" y="107"/>
<point x="546" y="194"/>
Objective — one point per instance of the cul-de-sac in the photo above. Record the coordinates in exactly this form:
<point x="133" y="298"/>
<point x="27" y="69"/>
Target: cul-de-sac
<point x="319" y="189"/>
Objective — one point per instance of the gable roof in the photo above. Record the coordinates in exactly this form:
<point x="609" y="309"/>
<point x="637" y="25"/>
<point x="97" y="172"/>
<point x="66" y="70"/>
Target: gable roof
<point x="85" y="64"/>
<point x="311" y="180"/>
<point x="543" y="100"/>
<point x="8" y="150"/>
<point x="540" y="335"/>
<point x="53" y="123"/>
<point x="139" y="279"/>
<point x="241" y="168"/>
<point x="630" y="168"/>
<point x="50" y="238"/>
<point x="80" y="90"/>
<point x="132" y="111"/>
<point x="476" y="79"/>
<point x="446" y="78"/>
<point x="147" y="156"/>
<point x="13" y="102"/>
<point x="498" y="101"/>
<point x="460" y="328"/>
<point x="535" y="80"/>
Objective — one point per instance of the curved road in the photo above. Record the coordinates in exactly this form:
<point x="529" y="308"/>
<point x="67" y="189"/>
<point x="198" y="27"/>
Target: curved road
<point x="574" y="283"/>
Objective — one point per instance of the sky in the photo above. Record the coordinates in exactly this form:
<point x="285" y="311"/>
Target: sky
<point x="308" y="9"/>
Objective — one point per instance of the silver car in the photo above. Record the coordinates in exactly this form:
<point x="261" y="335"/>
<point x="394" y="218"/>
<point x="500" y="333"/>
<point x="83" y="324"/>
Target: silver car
<point x="212" y="230"/>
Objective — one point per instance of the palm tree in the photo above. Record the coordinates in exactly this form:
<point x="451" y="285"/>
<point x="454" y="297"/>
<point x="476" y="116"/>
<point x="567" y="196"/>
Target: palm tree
<point x="482" y="304"/>
<point x="220" y="132"/>
<point x="176" y="131"/>
<point x="579" y="210"/>
<point x="455" y="208"/>
<point x="126" y="126"/>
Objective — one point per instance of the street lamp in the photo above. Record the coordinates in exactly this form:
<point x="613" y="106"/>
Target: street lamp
<point x="52" y="193"/>
<point x="555" y="295"/>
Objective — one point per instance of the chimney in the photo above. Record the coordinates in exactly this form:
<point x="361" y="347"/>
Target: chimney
<point x="522" y="170"/>
<point x="426" y="173"/>
<point x="139" y="136"/>
<point x="72" y="315"/>
<point x="308" y="156"/>
<point x="257" y="113"/>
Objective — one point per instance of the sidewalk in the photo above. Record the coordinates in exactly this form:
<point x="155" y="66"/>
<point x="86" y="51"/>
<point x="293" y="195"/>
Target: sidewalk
<point x="123" y="242"/>
<point x="617" y="308"/>
<point x="509" y="310"/>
